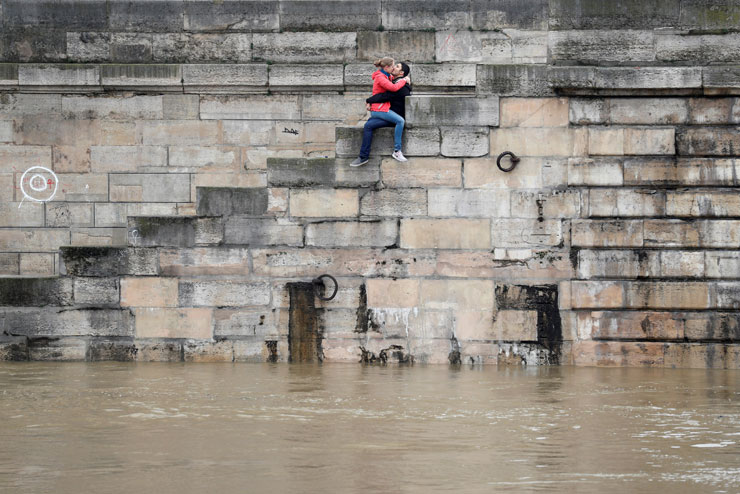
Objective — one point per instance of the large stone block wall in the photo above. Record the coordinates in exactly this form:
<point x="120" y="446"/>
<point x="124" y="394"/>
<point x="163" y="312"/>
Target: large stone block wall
<point x="201" y="154"/>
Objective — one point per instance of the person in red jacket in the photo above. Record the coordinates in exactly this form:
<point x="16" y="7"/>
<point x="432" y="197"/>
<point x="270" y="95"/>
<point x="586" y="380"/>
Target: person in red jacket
<point x="382" y="83"/>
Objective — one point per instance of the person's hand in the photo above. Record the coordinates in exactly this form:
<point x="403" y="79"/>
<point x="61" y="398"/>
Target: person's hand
<point x="408" y="79"/>
<point x="367" y="106"/>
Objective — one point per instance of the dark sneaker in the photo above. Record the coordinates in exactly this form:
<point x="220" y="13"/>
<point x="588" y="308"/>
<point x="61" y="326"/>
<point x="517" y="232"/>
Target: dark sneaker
<point x="358" y="162"/>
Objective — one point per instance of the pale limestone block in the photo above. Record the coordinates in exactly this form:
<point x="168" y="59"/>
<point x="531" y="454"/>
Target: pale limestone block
<point x="584" y="171"/>
<point x="58" y="75"/>
<point x="464" y="141"/>
<point x="37" y="264"/>
<point x="414" y="46"/>
<point x="473" y="46"/>
<point x="675" y="233"/>
<point x="286" y="76"/>
<point x="421" y="172"/>
<point x="150" y="187"/>
<point x="28" y="104"/>
<point x="248" y="132"/>
<point x="457" y="294"/>
<point x="208" y="351"/>
<point x="154" y="322"/>
<point x="223" y="77"/>
<point x="719" y="233"/>
<point x="182" y="132"/>
<point x="348" y="108"/>
<point x="203" y="261"/>
<point x="37" y="239"/>
<point x="515" y="325"/>
<point x="98" y="237"/>
<point x="352" y="234"/>
<point x="702" y="204"/>
<point x="619" y="354"/>
<point x="250" y="107"/>
<point x="649" y="141"/>
<point x="526" y="233"/>
<point x="599" y="46"/>
<point x="607" y="233"/>
<point x="394" y="202"/>
<point x="180" y="106"/>
<point x="443" y="75"/>
<point x="159" y="76"/>
<point x="564" y="296"/>
<point x="116" y="133"/>
<point x="722" y="264"/>
<point x="484" y="174"/>
<point x="116" y="214"/>
<point x="618" y="264"/>
<point x="6" y="131"/>
<point x="65" y="214"/>
<point x="668" y="295"/>
<point x="19" y="158"/>
<point x="681" y="264"/>
<point x="644" y="171"/>
<point x="553" y="204"/>
<point x="105" y="159"/>
<point x="319" y="47"/>
<point x="148" y="292"/>
<point x="205" y="158"/>
<point x="455" y="233"/>
<point x="238" y="180"/>
<point x="548" y="141"/>
<point x="112" y="107"/>
<point x="223" y="294"/>
<point x="319" y="203"/>
<point x="626" y="202"/>
<point x="23" y="214"/>
<point x="528" y="47"/>
<point x="597" y="294"/>
<point x="606" y="141"/>
<point x="253" y="231"/>
<point x="400" y="294"/>
<point x="452" y="110"/>
<point x="476" y="325"/>
<point x="82" y="187"/>
<point x="534" y="112"/>
<point x="457" y="202"/>
<point x="71" y="159"/>
<point x="648" y="111"/>
<point x="585" y="111"/>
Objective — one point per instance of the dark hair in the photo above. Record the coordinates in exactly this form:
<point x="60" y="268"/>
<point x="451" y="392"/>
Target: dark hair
<point x="406" y="69"/>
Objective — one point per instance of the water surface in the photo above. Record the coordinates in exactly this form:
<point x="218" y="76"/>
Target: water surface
<point x="180" y="428"/>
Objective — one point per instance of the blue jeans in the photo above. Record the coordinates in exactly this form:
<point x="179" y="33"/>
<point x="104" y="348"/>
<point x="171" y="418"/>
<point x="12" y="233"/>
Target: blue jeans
<point x="394" y="118"/>
<point x="367" y="135"/>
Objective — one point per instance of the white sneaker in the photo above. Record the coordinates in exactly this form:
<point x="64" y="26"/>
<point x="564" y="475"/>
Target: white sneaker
<point x="398" y="156"/>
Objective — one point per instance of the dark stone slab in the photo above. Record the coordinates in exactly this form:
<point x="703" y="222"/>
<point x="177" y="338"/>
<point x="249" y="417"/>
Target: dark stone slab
<point x="35" y="292"/>
<point x="300" y="172"/>
<point x="108" y="261"/>
<point x="58" y="321"/>
<point x="329" y="15"/>
<point x="513" y="80"/>
<point x="225" y="201"/>
<point x="13" y="348"/>
<point x="514" y="14"/>
<point x="401" y="15"/>
<point x="146" y="16"/>
<point x="118" y="350"/>
<point x="30" y="44"/>
<point x="174" y="232"/>
<point x="708" y="141"/>
<point x="710" y="14"/>
<point x="526" y="297"/>
<point x="91" y="15"/>
<point x="622" y="14"/>
<point x="232" y="16"/>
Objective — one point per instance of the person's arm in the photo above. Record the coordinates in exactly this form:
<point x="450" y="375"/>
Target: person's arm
<point x="389" y="86"/>
<point x="383" y="97"/>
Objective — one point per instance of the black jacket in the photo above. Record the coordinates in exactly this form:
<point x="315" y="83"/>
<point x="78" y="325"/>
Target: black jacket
<point x="397" y="99"/>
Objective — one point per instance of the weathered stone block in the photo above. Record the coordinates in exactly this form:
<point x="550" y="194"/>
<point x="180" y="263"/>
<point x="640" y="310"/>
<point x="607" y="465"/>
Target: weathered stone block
<point x="105" y="159"/>
<point x="526" y="233"/>
<point x="174" y="232"/>
<point x="698" y="49"/>
<point x="416" y="142"/>
<point x="529" y="173"/>
<point x="223" y="294"/>
<point x="254" y="231"/>
<point x="534" y="112"/>
<point x="626" y="202"/>
<point x="252" y="107"/>
<point x="112" y="107"/>
<point x="149" y="187"/>
<point x="474" y="46"/>
<point x="300" y="172"/>
<point x="708" y="141"/>
<point x="464" y="141"/>
<point x="456" y="202"/>
<point x="607" y="233"/>
<point x="404" y="15"/>
<point x="721" y="79"/>
<point x="401" y="294"/>
<point x="304" y="47"/>
<point x="452" y="110"/>
<point x="705" y="111"/>
<point x="247" y="322"/>
<point x="649" y="141"/>
<point x="203" y="261"/>
<point x="96" y="291"/>
<point x="353" y="15"/>
<point x="422" y="172"/>
<point x="138" y="16"/>
<point x="512" y="80"/>
<point x="61" y="75"/>
<point x="615" y="325"/>
<point x="179" y="132"/>
<point x="599" y="46"/>
<point x="632" y="14"/>
<point x="54" y="322"/>
<point x="142" y="75"/>
<point x="13" y="157"/>
<point x="35" y="292"/>
<point x="21" y="214"/>
<point x="149" y="292"/>
<point x="394" y="203"/>
<point x="9" y="264"/>
<point x="401" y="45"/>
<point x="447" y="76"/>
<point x="669" y="295"/>
<point x="285" y="76"/>
<point x="352" y="233"/>
<point x="508" y="14"/>
<point x="528" y="266"/>
<point x="106" y="261"/>
<point x="202" y="47"/>
<point x="548" y="141"/>
<point x="38" y="264"/>
<point x="235" y="77"/>
<point x="223" y="201"/>
<point x="457" y="294"/>
<point x="600" y="171"/>
<point x="617" y="264"/>
<point x="67" y="214"/>
<point x="722" y="264"/>
<point x="238" y="15"/>
<point x="180" y="106"/>
<point x="131" y="47"/>
<point x="37" y="239"/>
<point x="702" y="204"/>
<point x="318" y="203"/>
<point x="438" y="234"/>
<point x="154" y="322"/>
<point x="648" y="111"/>
<point x="554" y="204"/>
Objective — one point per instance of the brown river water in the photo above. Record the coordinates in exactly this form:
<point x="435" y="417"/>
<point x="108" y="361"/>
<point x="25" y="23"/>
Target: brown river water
<point x="212" y="428"/>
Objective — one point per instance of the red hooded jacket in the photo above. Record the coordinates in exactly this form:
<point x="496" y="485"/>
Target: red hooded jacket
<point x="381" y="84"/>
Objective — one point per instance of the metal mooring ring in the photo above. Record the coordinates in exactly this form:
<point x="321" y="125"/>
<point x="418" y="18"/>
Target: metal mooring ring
<point x="514" y="161"/>
<point x="318" y="283"/>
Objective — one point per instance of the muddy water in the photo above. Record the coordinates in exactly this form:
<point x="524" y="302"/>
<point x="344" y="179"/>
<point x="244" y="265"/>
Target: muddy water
<point x="172" y="428"/>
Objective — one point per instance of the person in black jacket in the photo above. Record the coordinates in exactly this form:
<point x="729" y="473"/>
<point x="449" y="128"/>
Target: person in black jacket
<point x="398" y="105"/>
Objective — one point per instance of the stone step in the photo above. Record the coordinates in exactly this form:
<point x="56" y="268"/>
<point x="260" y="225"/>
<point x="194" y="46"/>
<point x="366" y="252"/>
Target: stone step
<point x="422" y="141"/>
<point x="321" y="172"/>
<point x="156" y="231"/>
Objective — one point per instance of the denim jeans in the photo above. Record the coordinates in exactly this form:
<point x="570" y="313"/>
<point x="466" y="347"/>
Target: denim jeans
<point x="367" y="135"/>
<point x="395" y="118"/>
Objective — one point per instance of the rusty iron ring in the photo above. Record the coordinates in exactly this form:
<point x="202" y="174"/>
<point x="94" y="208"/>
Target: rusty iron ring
<point x="514" y="161"/>
<point x="319" y="282"/>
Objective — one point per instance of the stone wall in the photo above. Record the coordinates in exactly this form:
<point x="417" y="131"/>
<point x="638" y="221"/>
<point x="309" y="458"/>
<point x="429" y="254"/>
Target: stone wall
<point x="200" y="156"/>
